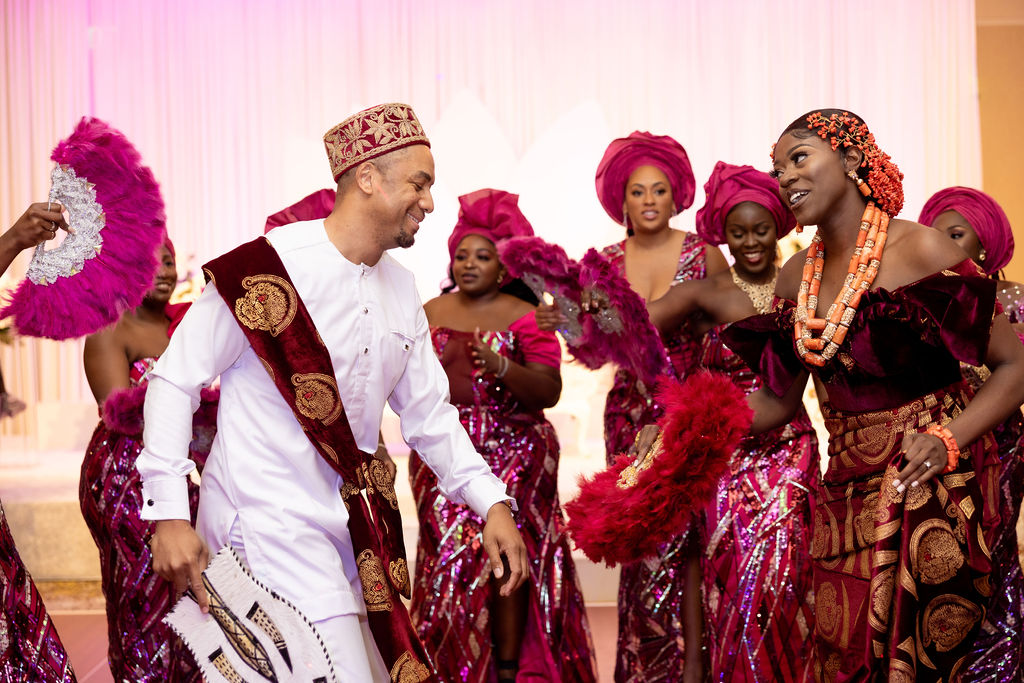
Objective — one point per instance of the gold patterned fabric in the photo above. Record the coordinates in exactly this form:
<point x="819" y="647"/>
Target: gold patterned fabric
<point x="900" y="579"/>
<point x="370" y="134"/>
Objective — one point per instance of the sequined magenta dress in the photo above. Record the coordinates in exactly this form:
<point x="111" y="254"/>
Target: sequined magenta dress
<point x="902" y="579"/>
<point x="451" y="591"/>
<point x="141" y="647"/>
<point x="999" y="650"/>
<point x="651" y="646"/>
<point x="30" y="649"/>
<point x="758" y="601"/>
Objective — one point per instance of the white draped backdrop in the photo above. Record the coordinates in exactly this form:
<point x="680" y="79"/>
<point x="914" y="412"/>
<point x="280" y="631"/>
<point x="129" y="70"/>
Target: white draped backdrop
<point x="227" y="101"/>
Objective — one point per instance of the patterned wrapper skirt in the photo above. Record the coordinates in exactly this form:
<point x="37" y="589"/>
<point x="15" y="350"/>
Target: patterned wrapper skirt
<point x="901" y="580"/>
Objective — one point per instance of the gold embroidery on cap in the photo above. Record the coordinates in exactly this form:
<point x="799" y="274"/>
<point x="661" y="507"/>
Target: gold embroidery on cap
<point x="370" y="134"/>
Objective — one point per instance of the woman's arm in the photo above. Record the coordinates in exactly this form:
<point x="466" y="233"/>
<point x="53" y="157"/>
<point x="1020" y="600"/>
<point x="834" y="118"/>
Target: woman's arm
<point x="536" y="386"/>
<point x="36" y="225"/>
<point x="106" y="363"/>
<point x="771" y="411"/>
<point x="999" y="397"/>
<point x="714" y="260"/>
<point x="682" y="300"/>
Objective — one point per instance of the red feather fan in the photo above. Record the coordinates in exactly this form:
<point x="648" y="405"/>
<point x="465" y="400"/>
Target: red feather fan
<point x="705" y="419"/>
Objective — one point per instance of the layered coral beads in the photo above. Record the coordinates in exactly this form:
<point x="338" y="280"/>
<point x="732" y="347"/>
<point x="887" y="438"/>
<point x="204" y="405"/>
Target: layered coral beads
<point x="818" y="339"/>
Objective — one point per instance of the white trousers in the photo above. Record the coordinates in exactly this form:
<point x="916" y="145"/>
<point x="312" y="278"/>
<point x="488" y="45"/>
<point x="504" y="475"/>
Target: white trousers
<point x="353" y="652"/>
<point x="348" y="638"/>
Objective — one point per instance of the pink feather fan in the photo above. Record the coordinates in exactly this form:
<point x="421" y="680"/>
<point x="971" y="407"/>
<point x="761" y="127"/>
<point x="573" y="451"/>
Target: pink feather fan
<point x="545" y="267"/>
<point x="107" y="267"/>
<point x="621" y="333"/>
<point x="625" y="512"/>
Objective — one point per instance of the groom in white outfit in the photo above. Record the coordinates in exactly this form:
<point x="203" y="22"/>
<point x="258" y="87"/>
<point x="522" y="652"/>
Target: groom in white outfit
<point x="266" y="490"/>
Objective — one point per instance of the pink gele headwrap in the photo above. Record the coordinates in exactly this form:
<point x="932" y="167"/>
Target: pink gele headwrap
<point x="730" y="185"/>
<point x="493" y="214"/>
<point x="985" y="217"/>
<point x="314" y="206"/>
<point x="170" y="246"/>
<point x="639" y="148"/>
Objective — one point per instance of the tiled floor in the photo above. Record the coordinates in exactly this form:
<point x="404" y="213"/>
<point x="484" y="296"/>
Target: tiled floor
<point x="84" y="634"/>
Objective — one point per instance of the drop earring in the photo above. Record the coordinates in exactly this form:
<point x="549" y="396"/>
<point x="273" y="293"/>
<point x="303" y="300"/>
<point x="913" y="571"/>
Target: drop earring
<point x="864" y="188"/>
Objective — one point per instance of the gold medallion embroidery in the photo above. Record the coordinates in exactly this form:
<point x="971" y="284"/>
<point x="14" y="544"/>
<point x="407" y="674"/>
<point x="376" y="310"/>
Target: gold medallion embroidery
<point x="871" y="514"/>
<point x="832" y="665"/>
<point x="947" y="620"/>
<point x="828" y="611"/>
<point x="378" y="476"/>
<point x="934" y="552"/>
<point x="316" y="397"/>
<point x="881" y="599"/>
<point x="819" y="535"/>
<point x="399" y="572"/>
<point x="269" y="303"/>
<point x="376" y="593"/>
<point x="348" y="490"/>
<point x="408" y="669"/>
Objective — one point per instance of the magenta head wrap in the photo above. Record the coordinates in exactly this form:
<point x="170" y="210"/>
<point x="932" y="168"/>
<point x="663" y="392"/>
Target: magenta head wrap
<point x="170" y="247"/>
<point x="312" y="207"/>
<point x="985" y="217"/>
<point x="731" y="185"/>
<point x="627" y="154"/>
<point x="493" y="214"/>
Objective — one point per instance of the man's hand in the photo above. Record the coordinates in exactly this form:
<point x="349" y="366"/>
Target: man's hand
<point x="180" y="556"/>
<point x="501" y="537"/>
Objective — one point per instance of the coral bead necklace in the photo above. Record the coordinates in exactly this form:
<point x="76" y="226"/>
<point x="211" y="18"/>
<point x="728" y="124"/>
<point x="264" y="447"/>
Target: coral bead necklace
<point x="819" y="350"/>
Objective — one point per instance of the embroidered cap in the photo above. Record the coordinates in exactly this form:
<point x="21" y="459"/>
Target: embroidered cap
<point x="372" y="133"/>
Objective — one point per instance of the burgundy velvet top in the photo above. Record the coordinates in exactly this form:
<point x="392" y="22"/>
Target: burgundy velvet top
<point x="901" y="345"/>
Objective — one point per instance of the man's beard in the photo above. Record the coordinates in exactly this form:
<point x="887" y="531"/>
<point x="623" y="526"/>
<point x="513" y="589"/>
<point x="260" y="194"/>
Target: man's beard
<point x="405" y="239"/>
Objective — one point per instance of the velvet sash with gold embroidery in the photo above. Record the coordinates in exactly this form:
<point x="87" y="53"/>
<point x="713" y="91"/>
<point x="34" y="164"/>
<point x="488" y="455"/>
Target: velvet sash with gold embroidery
<point x="256" y="287"/>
